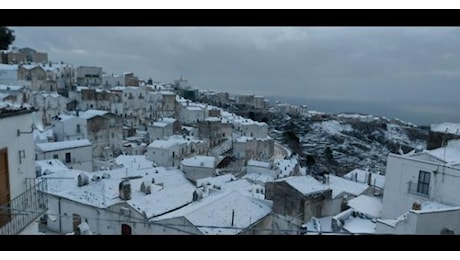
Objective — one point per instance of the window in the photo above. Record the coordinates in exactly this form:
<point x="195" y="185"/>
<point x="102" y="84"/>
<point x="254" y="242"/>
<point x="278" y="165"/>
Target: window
<point x="55" y="156"/>
<point x="423" y="184"/>
<point x="67" y="158"/>
<point x="78" y="128"/>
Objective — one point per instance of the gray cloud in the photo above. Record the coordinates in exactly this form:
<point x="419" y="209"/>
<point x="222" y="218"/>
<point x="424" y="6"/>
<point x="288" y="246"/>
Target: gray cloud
<point x="396" y="65"/>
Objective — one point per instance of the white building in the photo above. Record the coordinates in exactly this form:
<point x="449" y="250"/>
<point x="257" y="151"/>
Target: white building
<point x="111" y="205"/>
<point x="170" y="151"/>
<point x="228" y="213"/>
<point x="112" y="80"/>
<point x="192" y="114"/>
<point x="16" y="159"/>
<point x="422" y="185"/>
<point x="69" y="127"/>
<point x="247" y="148"/>
<point x="9" y="74"/>
<point x="50" y="104"/>
<point x="159" y="130"/>
<point x="89" y="76"/>
<point x="248" y="127"/>
<point x="199" y="167"/>
<point x="75" y="154"/>
<point x="14" y="94"/>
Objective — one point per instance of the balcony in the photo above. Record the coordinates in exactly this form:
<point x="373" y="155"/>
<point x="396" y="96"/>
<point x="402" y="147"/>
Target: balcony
<point x="419" y="191"/>
<point x="25" y="208"/>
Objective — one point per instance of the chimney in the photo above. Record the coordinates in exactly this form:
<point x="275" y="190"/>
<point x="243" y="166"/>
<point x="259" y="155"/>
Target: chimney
<point x="124" y="189"/>
<point x="416" y="205"/>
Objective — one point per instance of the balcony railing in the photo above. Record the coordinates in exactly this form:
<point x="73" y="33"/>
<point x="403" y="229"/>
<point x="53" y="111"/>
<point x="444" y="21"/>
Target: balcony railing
<point x="413" y="189"/>
<point x="25" y="208"/>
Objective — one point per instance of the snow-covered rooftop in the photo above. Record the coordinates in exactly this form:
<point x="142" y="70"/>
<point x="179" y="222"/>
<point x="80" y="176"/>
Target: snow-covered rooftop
<point x="171" y="141"/>
<point x="213" y="119"/>
<point x="370" y="206"/>
<point x="449" y="154"/>
<point x="170" y="189"/>
<point x="340" y="185"/>
<point x="92" y="113"/>
<point x="213" y="215"/>
<point x="42" y="136"/>
<point x="200" y="161"/>
<point x="54" y="146"/>
<point x="261" y="177"/>
<point x="50" y="166"/>
<point x="134" y="161"/>
<point x="358" y="225"/>
<point x="8" y="67"/>
<point x="305" y="184"/>
<point x="194" y="108"/>
<point x="8" y="88"/>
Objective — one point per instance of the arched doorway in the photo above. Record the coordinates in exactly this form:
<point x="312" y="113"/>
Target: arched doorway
<point x="126" y="229"/>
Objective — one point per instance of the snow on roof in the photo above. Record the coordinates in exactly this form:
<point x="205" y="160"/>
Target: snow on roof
<point x="43" y="137"/>
<point x="168" y="191"/>
<point x="259" y="164"/>
<point x="450" y="153"/>
<point x="432" y="206"/>
<point x="194" y="108"/>
<point x="54" y="146"/>
<point x="216" y="180"/>
<point x="159" y="124"/>
<point x="213" y="215"/>
<point x="362" y="176"/>
<point x="317" y="225"/>
<point x="8" y="67"/>
<point x="200" y="161"/>
<point x="447" y="127"/>
<point x="134" y="161"/>
<point x="357" y="225"/>
<point x="245" y="187"/>
<point x="212" y="119"/>
<point x="247" y="121"/>
<point x="92" y="113"/>
<point x="164" y="92"/>
<point x="52" y="94"/>
<point x="8" y="107"/>
<point x="50" y="166"/>
<point x="10" y="88"/>
<point x="370" y="206"/>
<point x="64" y="117"/>
<point x="118" y="88"/>
<point x="167" y="120"/>
<point x="260" y="177"/>
<point x="340" y="185"/>
<point x="172" y="141"/>
<point x="160" y="202"/>
<point x="243" y="139"/>
<point x="305" y="184"/>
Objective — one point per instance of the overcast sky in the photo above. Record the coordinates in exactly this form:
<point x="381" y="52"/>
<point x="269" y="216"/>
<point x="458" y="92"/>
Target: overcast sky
<point x="413" y="71"/>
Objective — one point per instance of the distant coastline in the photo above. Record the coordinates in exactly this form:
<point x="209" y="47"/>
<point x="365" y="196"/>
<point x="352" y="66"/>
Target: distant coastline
<point x="387" y="109"/>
